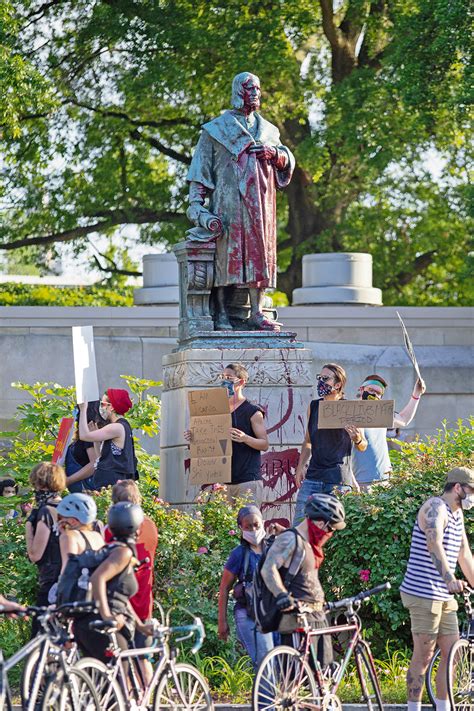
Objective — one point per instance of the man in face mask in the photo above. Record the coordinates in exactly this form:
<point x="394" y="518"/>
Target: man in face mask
<point x="373" y="464"/>
<point x="439" y="543"/>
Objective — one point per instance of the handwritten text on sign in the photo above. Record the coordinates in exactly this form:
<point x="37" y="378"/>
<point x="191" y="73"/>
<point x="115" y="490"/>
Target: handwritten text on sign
<point x="334" y="414"/>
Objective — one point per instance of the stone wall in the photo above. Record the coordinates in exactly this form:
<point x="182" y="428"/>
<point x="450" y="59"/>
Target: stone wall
<point x="36" y="344"/>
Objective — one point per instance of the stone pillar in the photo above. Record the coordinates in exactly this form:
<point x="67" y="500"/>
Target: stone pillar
<point x="280" y="381"/>
<point x="337" y="278"/>
<point x="196" y="276"/>
<point x="160" y="281"/>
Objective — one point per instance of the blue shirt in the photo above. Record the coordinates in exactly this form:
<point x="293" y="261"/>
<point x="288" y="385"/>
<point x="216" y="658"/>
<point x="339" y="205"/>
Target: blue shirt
<point x="235" y="562"/>
<point x="373" y="464"/>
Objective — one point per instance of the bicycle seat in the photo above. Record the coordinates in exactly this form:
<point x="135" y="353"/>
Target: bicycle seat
<point x="105" y="625"/>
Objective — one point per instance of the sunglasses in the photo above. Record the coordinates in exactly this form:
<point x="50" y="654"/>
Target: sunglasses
<point x="324" y="378"/>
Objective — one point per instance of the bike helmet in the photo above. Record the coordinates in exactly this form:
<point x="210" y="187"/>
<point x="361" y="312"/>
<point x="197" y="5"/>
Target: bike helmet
<point x="327" y="508"/>
<point x="78" y="506"/>
<point x="125" y="519"/>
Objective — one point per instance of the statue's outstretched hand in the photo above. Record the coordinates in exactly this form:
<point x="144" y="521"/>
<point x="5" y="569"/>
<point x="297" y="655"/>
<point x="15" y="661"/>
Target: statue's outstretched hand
<point x="264" y="152"/>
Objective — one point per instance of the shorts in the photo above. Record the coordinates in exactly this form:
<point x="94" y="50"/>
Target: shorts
<point x="433" y="617"/>
<point x="251" y="490"/>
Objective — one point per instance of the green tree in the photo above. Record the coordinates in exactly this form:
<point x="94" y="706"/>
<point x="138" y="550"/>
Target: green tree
<point x="361" y="91"/>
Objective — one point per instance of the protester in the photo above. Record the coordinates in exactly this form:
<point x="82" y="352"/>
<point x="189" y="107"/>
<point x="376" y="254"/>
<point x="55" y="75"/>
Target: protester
<point x="248" y="435"/>
<point x="328" y="451"/>
<point x="146" y="544"/>
<point x="113" y="584"/>
<point x="117" y="458"/>
<point x="8" y="489"/>
<point x="438" y="543"/>
<point x="81" y="456"/>
<point x="373" y="464"/>
<point x="10" y="608"/>
<point x="324" y="514"/>
<point x="240" y="567"/>
<point x="77" y="514"/>
<point x="41" y="532"/>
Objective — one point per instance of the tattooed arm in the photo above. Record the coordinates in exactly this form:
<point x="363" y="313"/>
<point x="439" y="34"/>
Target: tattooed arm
<point x="466" y="560"/>
<point x="279" y="555"/>
<point x="433" y="520"/>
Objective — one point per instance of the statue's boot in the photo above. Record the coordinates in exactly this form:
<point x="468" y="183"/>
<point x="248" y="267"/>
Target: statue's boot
<point x="260" y="322"/>
<point x="222" y="322"/>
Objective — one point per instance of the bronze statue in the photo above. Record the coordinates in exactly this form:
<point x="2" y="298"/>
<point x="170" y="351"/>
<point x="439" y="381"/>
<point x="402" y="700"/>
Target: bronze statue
<point x="238" y="165"/>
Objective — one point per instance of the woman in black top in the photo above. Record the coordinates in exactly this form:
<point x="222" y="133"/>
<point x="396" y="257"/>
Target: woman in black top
<point x="328" y="451"/>
<point x="41" y="532"/>
<point x="117" y="452"/>
<point x="81" y="455"/>
<point x="113" y="584"/>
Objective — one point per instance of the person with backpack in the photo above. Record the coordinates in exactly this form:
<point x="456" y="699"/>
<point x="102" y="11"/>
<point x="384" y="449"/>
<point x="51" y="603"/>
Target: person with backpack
<point x="117" y="458"/>
<point x="41" y="531"/>
<point x="80" y="455"/>
<point x="238" y="574"/>
<point x="112" y="584"/>
<point x="289" y="571"/>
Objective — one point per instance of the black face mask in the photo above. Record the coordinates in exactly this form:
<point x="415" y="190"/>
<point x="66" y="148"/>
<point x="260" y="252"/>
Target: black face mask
<point x="41" y="497"/>
<point x="368" y="396"/>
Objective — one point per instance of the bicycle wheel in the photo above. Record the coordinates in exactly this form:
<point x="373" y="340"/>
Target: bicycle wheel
<point x="284" y="679"/>
<point x="369" y="683"/>
<point x="71" y="692"/>
<point x="430" y="678"/>
<point x="51" y="669"/>
<point x="182" y="687"/>
<point x="106" y="686"/>
<point x="460" y="676"/>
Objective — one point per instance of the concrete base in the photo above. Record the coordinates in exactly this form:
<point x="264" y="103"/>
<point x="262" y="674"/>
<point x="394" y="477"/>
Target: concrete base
<point x="280" y="381"/>
<point x="159" y="295"/>
<point x="240" y="339"/>
<point x="337" y="295"/>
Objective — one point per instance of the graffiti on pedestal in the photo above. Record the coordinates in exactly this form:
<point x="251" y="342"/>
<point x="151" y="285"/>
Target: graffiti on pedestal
<point x="279" y="488"/>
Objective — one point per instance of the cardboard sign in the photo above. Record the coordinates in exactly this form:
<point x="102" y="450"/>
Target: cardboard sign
<point x="85" y="371"/>
<point x="409" y="348"/>
<point x="211" y="446"/>
<point x="63" y="440"/>
<point x="334" y="414"/>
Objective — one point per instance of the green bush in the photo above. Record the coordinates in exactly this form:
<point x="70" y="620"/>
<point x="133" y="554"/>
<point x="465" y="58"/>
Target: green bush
<point x="45" y="295"/>
<point x="375" y="545"/>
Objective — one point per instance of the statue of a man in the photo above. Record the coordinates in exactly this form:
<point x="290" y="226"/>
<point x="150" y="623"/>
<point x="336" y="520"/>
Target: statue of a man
<point x="238" y="165"/>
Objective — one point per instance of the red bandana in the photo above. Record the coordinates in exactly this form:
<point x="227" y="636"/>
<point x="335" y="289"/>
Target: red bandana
<point x="317" y="538"/>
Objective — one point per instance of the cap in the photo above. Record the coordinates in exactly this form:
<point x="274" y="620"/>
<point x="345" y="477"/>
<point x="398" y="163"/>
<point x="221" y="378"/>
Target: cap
<point x="461" y="475"/>
<point x="120" y="400"/>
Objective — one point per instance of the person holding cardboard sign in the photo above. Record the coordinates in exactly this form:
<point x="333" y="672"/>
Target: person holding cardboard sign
<point x="374" y="464"/>
<point x="117" y="458"/>
<point x="248" y="435"/>
<point x="327" y="451"/>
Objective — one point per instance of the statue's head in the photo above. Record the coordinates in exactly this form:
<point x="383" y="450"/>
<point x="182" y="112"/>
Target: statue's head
<point x="246" y="91"/>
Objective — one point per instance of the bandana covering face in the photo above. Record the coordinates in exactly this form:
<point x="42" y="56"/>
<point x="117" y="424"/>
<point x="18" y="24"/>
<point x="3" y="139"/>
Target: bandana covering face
<point x="41" y="497"/>
<point x="324" y="389"/>
<point x="317" y="538"/>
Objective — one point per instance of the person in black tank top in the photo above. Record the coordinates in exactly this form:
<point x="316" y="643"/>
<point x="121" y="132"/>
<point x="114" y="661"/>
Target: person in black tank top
<point x="41" y="531"/>
<point x="248" y="435"/>
<point x="327" y="451"/>
<point x="117" y="458"/>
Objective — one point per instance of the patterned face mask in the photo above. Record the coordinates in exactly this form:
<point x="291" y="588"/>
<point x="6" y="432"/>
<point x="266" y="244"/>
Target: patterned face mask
<point x="324" y="388"/>
<point x="229" y="384"/>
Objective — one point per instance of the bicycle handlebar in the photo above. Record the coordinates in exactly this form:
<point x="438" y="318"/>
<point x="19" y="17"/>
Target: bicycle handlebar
<point x="350" y="601"/>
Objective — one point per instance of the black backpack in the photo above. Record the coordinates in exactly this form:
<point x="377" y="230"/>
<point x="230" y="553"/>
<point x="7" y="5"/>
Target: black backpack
<point x="74" y="584"/>
<point x="266" y="614"/>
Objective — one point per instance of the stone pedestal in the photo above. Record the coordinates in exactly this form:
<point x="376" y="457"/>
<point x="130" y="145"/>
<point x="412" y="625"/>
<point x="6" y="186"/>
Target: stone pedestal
<point x="337" y="278"/>
<point x="160" y="281"/>
<point x="280" y="381"/>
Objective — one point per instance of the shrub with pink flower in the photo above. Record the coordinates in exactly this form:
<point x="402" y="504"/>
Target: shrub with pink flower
<point x="232" y="532"/>
<point x="364" y="575"/>
<point x="202" y="550"/>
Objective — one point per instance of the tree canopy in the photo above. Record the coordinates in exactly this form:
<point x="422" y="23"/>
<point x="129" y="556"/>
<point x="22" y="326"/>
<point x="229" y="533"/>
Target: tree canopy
<point x="106" y="100"/>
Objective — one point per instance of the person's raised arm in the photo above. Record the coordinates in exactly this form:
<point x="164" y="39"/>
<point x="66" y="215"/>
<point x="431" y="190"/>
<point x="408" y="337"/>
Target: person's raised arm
<point x="466" y="561"/>
<point x="433" y="519"/>
<point x="226" y="585"/>
<point x="405" y="416"/>
<point x="305" y="456"/>
<point x="111" y="431"/>
<point x="357" y="436"/>
<point x="260" y="441"/>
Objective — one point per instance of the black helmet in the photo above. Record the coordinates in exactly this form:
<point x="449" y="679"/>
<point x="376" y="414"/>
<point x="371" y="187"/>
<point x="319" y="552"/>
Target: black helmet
<point x="125" y="519"/>
<point x="326" y="508"/>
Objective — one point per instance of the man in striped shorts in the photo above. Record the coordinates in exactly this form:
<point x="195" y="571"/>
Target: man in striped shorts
<point x="438" y="543"/>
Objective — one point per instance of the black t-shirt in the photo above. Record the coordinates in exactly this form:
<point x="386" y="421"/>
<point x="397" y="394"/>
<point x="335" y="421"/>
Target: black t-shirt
<point x="79" y="451"/>
<point x="116" y="464"/>
<point x="330" y="452"/>
<point x="245" y="459"/>
<point x="49" y="566"/>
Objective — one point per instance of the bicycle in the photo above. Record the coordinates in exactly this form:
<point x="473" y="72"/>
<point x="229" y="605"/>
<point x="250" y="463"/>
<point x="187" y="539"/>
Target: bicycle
<point x="293" y="677"/>
<point x="49" y="680"/>
<point x="173" y="685"/>
<point x="460" y="669"/>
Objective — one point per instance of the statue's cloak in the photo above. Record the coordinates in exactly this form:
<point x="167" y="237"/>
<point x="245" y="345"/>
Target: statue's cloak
<point x="242" y="193"/>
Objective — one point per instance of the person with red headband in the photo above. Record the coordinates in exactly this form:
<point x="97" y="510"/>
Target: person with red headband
<point x="113" y="442"/>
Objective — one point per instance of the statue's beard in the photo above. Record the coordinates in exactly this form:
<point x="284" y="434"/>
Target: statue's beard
<point x="252" y="105"/>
